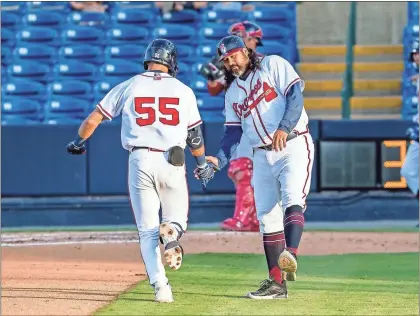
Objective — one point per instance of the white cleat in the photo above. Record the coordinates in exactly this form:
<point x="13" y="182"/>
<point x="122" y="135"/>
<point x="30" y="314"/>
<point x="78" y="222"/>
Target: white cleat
<point x="288" y="263"/>
<point x="163" y="293"/>
<point x="173" y="251"/>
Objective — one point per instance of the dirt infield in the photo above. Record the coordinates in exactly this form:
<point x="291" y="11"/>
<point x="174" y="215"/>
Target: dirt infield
<point x="77" y="273"/>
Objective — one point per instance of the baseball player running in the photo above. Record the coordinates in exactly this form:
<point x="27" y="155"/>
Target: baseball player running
<point x="264" y="101"/>
<point x="159" y="118"/>
<point x="240" y="168"/>
<point x="410" y="168"/>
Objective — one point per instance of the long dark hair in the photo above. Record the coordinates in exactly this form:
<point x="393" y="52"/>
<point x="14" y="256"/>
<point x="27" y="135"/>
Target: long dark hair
<point x="254" y="63"/>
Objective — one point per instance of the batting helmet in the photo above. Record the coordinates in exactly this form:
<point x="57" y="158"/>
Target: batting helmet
<point x="414" y="49"/>
<point x="229" y="45"/>
<point x="163" y="52"/>
<point x="247" y="29"/>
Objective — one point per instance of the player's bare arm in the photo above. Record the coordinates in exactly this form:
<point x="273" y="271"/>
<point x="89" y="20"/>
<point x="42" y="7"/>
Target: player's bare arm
<point x="292" y="113"/>
<point x="86" y="129"/>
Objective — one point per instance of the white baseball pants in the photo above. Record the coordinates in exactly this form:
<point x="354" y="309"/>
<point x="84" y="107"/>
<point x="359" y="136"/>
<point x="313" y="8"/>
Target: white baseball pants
<point x="153" y="183"/>
<point x="282" y="179"/>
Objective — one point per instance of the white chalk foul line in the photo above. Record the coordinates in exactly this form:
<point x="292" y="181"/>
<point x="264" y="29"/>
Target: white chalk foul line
<point x="71" y="242"/>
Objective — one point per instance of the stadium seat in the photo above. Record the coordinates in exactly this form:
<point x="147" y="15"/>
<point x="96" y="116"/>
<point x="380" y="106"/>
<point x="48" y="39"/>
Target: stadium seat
<point x="144" y="5"/>
<point x="17" y="120"/>
<point x="195" y="68"/>
<point x="48" y="5"/>
<point x="181" y="17"/>
<point x="102" y="87"/>
<point x="198" y="84"/>
<point x="185" y="53"/>
<point x="183" y="69"/>
<point x="207" y="102"/>
<point x="82" y="52"/>
<point x="70" y="88"/>
<point x="6" y="55"/>
<point x="13" y="6"/>
<point x="21" y="108"/>
<point x="127" y="34"/>
<point x="38" y="35"/>
<point x="42" y="18"/>
<point x="179" y="34"/>
<point x="120" y="70"/>
<point x="273" y="48"/>
<point x="29" y="70"/>
<point x="4" y="76"/>
<point x="23" y="88"/>
<point x="224" y="16"/>
<point x="275" y="15"/>
<point x="35" y="53"/>
<point x="65" y="106"/>
<point x="7" y="38"/>
<point x="129" y="52"/>
<point x="86" y="18"/>
<point x="83" y="35"/>
<point x="9" y="20"/>
<point x="131" y="16"/>
<point x="75" y="70"/>
<point x="276" y="33"/>
<point x="212" y="32"/>
<point x="207" y="50"/>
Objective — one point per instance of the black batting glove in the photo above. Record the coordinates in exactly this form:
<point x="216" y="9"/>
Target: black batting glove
<point x="74" y="149"/>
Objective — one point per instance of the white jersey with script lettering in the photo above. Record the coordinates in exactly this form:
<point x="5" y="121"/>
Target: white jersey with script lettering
<point x="157" y="110"/>
<point x="258" y="103"/>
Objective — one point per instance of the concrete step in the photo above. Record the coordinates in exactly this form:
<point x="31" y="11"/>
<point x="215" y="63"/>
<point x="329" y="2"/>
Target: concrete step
<point x="392" y="66"/>
<point x="358" y="85"/>
<point x="355" y="114"/>
<point x="386" y="103"/>
<point x="395" y="75"/>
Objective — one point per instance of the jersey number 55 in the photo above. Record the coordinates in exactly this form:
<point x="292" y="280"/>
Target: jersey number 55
<point x="149" y="112"/>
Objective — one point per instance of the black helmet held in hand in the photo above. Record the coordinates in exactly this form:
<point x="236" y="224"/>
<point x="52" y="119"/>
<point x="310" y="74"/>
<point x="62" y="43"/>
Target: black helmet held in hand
<point x="162" y="51"/>
<point x="414" y="49"/>
<point x="229" y="45"/>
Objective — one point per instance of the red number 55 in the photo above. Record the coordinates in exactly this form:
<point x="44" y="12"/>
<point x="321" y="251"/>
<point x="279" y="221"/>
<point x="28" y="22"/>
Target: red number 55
<point x="150" y="117"/>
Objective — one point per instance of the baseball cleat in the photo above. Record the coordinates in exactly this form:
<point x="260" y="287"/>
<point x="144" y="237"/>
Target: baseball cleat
<point x="287" y="262"/>
<point x="163" y="293"/>
<point x="173" y="250"/>
<point x="289" y="276"/>
<point x="269" y="290"/>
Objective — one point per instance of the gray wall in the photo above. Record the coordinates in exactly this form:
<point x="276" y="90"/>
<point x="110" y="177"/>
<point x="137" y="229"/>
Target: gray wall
<point x="327" y="22"/>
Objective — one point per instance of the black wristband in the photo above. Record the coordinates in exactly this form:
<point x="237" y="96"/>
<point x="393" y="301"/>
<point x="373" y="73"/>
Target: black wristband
<point x="79" y="141"/>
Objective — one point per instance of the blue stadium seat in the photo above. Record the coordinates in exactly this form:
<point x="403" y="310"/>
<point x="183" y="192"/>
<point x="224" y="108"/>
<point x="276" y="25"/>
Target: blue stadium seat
<point x="412" y="30"/>
<point x="6" y="55"/>
<point x="82" y="35"/>
<point x="144" y="5"/>
<point x="129" y="52"/>
<point x="7" y="38"/>
<point x="410" y="69"/>
<point x="13" y="6"/>
<point x="207" y="102"/>
<point x="86" y="18"/>
<point x="75" y="70"/>
<point x="102" y="87"/>
<point x="65" y="106"/>
<point x="131" y="16"/>
<point x="195" y="68"/>
<point x="181" y="17"/>
<point x="224" y="16"/>
<point x="36" y="53"/>
<point x="4" y="76"/>
<point x="9" y="20"/>
<point x="22" y="108"/>
<point x="183" y="69"/>
<point x="29" y="70"/>
<point x="43" y="19"/>
<point x="63" y="120"/>
<point x="212" y="32"/>
<point x="198" y="84"/>
<point x="23" y="88"/>
<point x="185" y="53"/>
<point x="273" y="48"/>
<point x="82" y="52"/>
<point x="275" y="32"/>
<point x="70" y="88"/>
<point x="179" y="34"/>
<point x="207" y="50"/>
<point x="17" y="120"/>
<point x="120" y="70"/>
<point x="38" y="35"/>
<point x="277" y="15"/>
<point x="48" y="5"/>
<point x="127" y="34"/>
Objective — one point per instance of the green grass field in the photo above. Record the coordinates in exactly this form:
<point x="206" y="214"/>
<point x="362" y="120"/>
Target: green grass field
<point x="216" y="284"/>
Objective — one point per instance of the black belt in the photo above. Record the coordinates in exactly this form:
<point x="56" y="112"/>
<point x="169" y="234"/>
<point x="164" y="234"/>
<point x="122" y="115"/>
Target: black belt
<point x="291" y="136"/>
<point x="148" y="148"/>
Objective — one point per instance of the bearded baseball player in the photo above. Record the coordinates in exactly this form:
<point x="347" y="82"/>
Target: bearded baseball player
<point x="159" y="118"/>
<point x="410" y="168"/>
<point x="264" y="101"/>
<point x="240" y="168"/>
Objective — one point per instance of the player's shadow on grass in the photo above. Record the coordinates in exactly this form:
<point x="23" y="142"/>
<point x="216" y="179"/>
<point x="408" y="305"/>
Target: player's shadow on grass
<point x="186" y="293"/>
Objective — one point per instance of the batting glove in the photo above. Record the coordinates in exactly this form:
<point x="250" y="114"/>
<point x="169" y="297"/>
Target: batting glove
<point x="205" y="173"/>
<point x="73" y="149"/>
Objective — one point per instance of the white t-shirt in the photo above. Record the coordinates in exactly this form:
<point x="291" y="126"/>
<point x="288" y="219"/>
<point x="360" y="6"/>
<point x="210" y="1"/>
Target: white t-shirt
<point x="157" y="111"/>
<point x="258" y="103"/>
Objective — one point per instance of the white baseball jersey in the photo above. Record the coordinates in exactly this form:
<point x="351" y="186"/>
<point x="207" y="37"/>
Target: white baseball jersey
<point x="157" y="111"/>
<point x="258" y="103"/>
